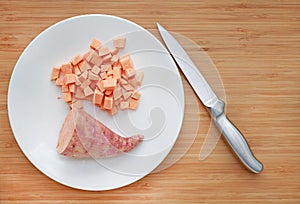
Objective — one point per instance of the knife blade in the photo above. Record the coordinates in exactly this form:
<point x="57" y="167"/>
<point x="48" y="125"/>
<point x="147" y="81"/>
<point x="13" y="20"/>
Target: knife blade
<point x="209" y="99"/>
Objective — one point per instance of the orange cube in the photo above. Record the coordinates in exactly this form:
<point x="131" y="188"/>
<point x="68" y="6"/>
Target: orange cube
<point x="124" y="105"/>
<point x="136" y="95"/>
<point x="133" y="104"/>
<point x="103" y="51"/>
<point x="71" y="88"/>
<point x="59" y="82"/>
<point x="130" y="72"/>
<point x="119" y="42"/>
<point x="98" y="97"/>
<point x="108" y="102"/>
<point x="66" y="69"/>
<point x="67" y="97"/>
<point x="88" y="56"/>
<point x="126" y="62"/>
<point x="87" y="91"/>
<point x="76" y="60"/>
<point x="95" y="44"/>
<point x="84" y="66"/>
<point x="55" y="73"/>
<point x="69" y="79"/>
<point x="109" y="83"/>
<point x="64" y="88"/>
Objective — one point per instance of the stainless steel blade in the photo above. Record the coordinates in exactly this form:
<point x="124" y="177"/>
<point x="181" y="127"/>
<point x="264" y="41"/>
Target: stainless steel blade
<point x="191" y="72"/>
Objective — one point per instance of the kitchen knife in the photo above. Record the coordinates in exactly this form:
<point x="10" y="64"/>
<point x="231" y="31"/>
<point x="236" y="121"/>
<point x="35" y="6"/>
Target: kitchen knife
<point x="214" y="105"/>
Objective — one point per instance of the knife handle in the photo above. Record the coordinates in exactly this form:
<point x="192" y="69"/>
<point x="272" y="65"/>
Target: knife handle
<point x="234" y="138"/>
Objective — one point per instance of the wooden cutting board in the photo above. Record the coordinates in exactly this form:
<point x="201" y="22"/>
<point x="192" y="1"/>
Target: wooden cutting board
<point x="256" y="48"/>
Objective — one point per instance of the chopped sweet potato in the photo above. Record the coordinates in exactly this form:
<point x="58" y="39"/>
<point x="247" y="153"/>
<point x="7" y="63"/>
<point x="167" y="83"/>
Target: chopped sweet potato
<point x="69" y="79"/>
<point x="133" y="104"/>
<point x="108" y="102"/>
<point x="66" y="69"/>
<point x="76" y="60"/>
<point x="55" y="73"/>
<point x="119" y="43"/>
<point x="109" y="84"/>
<point x="101" y="76"/>
<point x="95" y="44"/>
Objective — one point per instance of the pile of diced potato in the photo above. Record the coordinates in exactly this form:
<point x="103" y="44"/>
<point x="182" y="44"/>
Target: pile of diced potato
<point x="101" y="76"/>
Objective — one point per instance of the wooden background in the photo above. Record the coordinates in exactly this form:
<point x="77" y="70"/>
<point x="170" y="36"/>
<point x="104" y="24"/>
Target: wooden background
<point x="256" y="48"/>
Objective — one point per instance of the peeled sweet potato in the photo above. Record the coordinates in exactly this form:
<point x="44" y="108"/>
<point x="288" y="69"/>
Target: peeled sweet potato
<point x="83" y="136"/>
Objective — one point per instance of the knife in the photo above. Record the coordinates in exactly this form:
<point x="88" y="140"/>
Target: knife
<point x="210" y="100"/>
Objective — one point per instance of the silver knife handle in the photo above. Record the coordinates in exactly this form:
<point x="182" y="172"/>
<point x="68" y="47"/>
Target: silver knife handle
<point x="234" y="138"/>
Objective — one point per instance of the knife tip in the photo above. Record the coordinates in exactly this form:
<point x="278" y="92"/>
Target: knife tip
<point x="159" y="26"/>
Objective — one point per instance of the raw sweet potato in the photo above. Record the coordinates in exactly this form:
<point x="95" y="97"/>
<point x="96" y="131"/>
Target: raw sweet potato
<point x="83" y="136"/>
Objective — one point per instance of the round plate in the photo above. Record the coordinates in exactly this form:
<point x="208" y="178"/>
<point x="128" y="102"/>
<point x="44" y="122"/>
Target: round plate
<point x="36" y="115"/>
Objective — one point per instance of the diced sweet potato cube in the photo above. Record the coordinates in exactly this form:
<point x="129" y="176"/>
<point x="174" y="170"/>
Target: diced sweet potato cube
<point x="124" y="76"/>
<point x="93" y="76"/>
<point x="66" y="69"/>
<point x="76" y="60"/>
<point x="117" y="102"/>
<point x="130" y="72"/>
<point x="99" y="61"/>
<point x="126" y="62"/>
<point x="98" y="97"/>
<point x="94" y="58"/>
<point x="109" y="73"/>
<point x="85" y="84"/>
<point x="96" y="69"/>
<point x="95" y="44"/>
<point x="83" y="76"/>
<point x="124" y="105"/>
<point x="100" y="85"/>
<point x="120" y="42"/>
<point x="133" y="104"/>
<point x="103" y="51"/>
<point x="78" y="82"/>
<point x="88" y="56"/>
<point x="114" y="59"/>
<point x="77" y="70"/>
<point x="109" y="83"/>
<point x="67" y="97"/>
<point x="113" y="111"/>
<point x="87" y="91"/>
<point x="132" y="82"/>
<point x="117" y="73"/>
<point x="127" y="94"/>
<point x="117" y="93"/>
<point x="55" y="73"/>
<point x="79" y="94"/>
<point x="64" y="88"/>
<point x="140" y="78"/>
<point x="103" y="75"/>
<point x="72" y="88"/>
<point x="76" y="104"/>
<point x="107" y="58"/>
<point x="114" y="51"/>
<point x="93" y="85"/>
<point x="84" y="66"/>
<point x="105" y="67"/>
<point x="108" y="102"/>
<point x="59" y="82"/>
<point x="123" y="81"/>
<point x="69" y="79"/>
<point x="108" y="92"/>
<point x="136" y="95"/>
<point x="127" y="87"/>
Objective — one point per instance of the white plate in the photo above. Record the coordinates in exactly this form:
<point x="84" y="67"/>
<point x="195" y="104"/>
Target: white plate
<point x="36" y="115"/>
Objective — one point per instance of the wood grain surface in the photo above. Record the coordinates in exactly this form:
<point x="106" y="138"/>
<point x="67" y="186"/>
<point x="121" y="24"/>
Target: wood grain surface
<point x="256" y="48"/>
